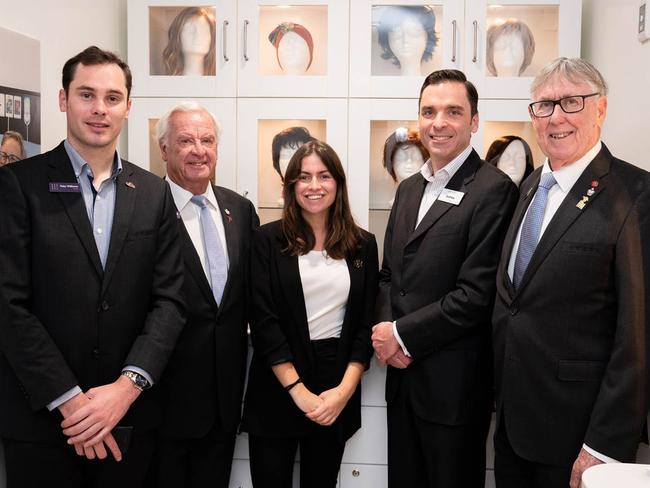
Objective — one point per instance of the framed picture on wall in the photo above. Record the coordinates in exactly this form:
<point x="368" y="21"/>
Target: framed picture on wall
<point x="18" y="107"/>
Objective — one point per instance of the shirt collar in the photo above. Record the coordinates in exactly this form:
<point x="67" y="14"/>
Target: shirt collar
<point x="449" y="170"/>
<point x="568" y="174"/>
<point x="79" y="165"/>
<point x="182" y="197"/>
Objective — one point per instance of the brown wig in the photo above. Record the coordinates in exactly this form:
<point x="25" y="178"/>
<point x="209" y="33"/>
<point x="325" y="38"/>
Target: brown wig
<point x="343" y="235"/>
<point x="173" y="53"/>
<point x="402" y="137"/>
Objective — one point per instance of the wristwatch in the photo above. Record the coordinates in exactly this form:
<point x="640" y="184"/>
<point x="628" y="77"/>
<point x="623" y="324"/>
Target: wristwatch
<point x="139" y="381"/>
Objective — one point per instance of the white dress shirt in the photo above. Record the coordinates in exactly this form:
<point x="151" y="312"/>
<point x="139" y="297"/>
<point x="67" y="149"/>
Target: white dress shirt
<point x="565" y="177"/>
<point x="191" y="215"/>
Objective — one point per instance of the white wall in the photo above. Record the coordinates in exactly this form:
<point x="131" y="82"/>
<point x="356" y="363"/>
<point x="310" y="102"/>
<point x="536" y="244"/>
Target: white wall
<point x="64" y="28"/>
<point x="609" y="41"/>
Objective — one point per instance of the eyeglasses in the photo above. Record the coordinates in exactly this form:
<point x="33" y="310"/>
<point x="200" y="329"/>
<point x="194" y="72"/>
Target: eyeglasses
<point x="569" y="105"/>
<point x="8" y="158"/>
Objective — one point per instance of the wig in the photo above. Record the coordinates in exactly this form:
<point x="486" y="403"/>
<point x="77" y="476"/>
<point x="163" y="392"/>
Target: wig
<point x="278" y="33"/>
<point x="173" y="53"/>
<point x="499" y="145"/>
<point x="518" y="28"/>
<point x="294" y="137"/>
<point x="393" y="15"/>
<point x="402" y="137"/>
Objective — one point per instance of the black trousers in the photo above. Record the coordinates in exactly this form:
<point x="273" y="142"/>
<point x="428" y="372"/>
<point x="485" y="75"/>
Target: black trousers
<point x="193" y="463"/>
<point x="513" y="471"/>
<point x="321" y="451"/>
<point x="34" y="465"/>
<point x="429" y="455"/>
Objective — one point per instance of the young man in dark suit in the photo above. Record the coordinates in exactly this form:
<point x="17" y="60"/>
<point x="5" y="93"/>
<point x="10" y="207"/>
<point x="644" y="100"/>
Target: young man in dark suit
<point x="571" y="315"/>
<point x="436" y="292"/>
<point x="203" y="384"/>
<point x="90" y="295"/>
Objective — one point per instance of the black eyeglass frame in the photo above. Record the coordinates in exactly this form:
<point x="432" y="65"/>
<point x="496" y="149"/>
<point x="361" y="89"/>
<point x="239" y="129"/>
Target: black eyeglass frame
<point x="559" y="102"/>
<point x="11" y="158"/>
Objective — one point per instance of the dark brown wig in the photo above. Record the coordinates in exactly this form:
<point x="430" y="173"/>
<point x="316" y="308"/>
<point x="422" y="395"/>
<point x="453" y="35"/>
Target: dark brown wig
<point x="343" y="235"/>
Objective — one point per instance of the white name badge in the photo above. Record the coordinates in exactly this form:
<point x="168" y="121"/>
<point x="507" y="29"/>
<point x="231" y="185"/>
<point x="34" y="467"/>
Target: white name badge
<point x="451" y="196"/>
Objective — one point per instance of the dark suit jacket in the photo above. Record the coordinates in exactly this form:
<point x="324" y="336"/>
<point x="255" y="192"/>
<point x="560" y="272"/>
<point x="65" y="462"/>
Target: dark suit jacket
<point x="204" y="380"/>
<point x="570" y="344"/>
<point x="280" y="333"/>
<point x="63" y="320"/>
<point x="437" y="282"/>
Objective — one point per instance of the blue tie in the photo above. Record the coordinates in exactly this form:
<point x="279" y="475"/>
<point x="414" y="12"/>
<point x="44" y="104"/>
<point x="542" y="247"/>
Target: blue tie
<point x="215" y="258"/>
<point x="531" y="228"/>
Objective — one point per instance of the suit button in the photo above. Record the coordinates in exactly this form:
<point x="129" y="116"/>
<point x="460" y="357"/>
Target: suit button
<point x="514" y="311"/>
<point x="402" y="293"/>
<point x="96" y="353"/>
<point x="104" y="306"/>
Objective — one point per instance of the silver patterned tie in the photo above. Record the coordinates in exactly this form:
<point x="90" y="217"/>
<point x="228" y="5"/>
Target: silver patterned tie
<point x="531" y="227"/>
<point x="215" y="257"/>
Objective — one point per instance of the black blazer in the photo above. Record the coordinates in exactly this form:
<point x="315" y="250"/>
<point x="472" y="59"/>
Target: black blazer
<point x="204" y="379"/>
<point x="63" y="320"/>
<point x="437" y="282"/>
<point x="280" y="333"/>
<point x="571" y="344"/>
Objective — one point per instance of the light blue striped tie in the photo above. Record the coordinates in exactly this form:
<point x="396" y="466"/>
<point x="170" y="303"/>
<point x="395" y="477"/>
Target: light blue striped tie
<point x="531" y="227"/>
<point x="214" y="255"/>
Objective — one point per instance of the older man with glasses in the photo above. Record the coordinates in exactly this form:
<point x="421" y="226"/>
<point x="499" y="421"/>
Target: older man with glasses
<point x="570" y="337"/>
<point x="12" y="148"/>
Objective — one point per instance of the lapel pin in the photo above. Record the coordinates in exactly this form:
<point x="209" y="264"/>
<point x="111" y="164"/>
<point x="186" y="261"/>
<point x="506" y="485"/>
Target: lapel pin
<point x="130" y="184"/>
<point x="590" y="192"/>
<point x="178" y="214"/>
<point x="358" y="263"/>
<point x="227" y="212"/>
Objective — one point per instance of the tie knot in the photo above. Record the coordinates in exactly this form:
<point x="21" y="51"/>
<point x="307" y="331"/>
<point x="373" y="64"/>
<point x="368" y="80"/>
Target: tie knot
<point x="199" y="200"/>
<point x="547" y="181"/>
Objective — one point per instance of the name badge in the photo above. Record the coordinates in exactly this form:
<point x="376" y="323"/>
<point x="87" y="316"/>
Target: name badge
<point x="64" y="187"/>
<point x="451" y="196"/>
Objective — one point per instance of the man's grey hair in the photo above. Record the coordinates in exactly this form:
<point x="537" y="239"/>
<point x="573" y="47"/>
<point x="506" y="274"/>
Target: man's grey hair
<point x="162" y="127"/>
<point x="575" y="70"/>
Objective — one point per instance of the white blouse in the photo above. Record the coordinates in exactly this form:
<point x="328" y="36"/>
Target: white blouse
<point x="326" y="286"/>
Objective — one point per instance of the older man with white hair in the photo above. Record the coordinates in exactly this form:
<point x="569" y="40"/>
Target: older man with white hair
<point x="204" y="380"/>
<point x="570" y="318"/>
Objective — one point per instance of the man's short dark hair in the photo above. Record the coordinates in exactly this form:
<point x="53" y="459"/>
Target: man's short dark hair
<point x="452" y="76"/>
<point x="92" y="56"/>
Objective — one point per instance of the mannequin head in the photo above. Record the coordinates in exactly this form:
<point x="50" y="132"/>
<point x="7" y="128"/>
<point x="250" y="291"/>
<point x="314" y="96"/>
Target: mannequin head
<point x="285" y="144"/>
<point x="407" y="32"/>
<point x="191" y="43"/>
<point x="294" y="47"/>
<point x="510" y="48"/>
<point x="512" y="155"/>
<point x="404" y="154"/>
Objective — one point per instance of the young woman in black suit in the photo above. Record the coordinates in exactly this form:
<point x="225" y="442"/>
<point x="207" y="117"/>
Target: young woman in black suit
<point x="313" y="284"/>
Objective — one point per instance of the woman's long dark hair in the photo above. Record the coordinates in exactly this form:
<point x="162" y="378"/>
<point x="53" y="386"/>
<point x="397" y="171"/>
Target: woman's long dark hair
<point x="343" y="235"/>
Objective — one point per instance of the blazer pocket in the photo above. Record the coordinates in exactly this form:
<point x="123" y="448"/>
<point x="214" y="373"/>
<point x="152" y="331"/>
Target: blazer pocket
<point x="141" y="234"/>
<point x="580" y="370"/>
<point x="445" y="229"/>
<point x="586" y="248"/>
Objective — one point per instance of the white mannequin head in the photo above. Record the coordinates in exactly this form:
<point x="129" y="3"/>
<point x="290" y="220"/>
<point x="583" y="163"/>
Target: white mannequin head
<point x="293" y="54"/>
<point x="408" y="41"/>
<point x="508" y="54"/>
<point x="285" y="156"/>
<point x="191" y="46"/>
<point x="195" y="36"/>
<point x="407" y="160"/>
<point x="513" y="161"/>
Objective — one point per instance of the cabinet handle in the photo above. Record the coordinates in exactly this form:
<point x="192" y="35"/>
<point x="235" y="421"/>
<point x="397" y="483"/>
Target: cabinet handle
<point x="246" y="22"/>
<point x="475" y="24"/>
<point x="244" y="194"/>
<point x="453" y="43"/>
<point x="356" y="473"/>
<point x="224" y="41"/>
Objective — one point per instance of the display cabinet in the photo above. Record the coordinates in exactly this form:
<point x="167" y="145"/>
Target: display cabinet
<point x="259" y="121"/>
<point x="143" y="144"/>
<point x="297" y="48"/>
<point x="181" y="48"/>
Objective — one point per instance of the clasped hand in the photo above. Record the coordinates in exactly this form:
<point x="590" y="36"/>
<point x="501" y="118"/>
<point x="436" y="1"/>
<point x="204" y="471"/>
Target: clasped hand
<point x="323" y="409"/>
<point x="387" y="349"/>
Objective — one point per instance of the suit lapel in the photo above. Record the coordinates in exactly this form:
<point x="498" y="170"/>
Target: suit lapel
<point x="356" y="267"/>
<point x="60" y="171"/>
<point x="232" y="234"/>
<point x="413" y="195"/>
<point x="568" y="212"/>
<point x="458" y="182"/>
<point x="193" y="264"/>
<point x="125" y="196"/>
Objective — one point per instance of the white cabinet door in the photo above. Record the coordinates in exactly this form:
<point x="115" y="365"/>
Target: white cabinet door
<point x="178" y="48"/>
<point x="363" y="476"/>
<point x="143" y="145"/>
<point x="368" y="445"/>
<point x="507" y="42"/>
<point x="293" y="49"/>
<point x="394" y="44"/>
